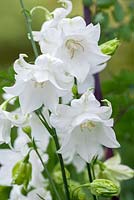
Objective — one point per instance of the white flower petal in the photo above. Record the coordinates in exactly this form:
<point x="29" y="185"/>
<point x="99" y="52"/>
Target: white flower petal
<point x="31" y="98"/>
<point x="106" y="136"/>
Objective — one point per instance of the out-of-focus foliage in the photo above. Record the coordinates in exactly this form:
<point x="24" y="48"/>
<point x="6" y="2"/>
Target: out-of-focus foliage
<point x="116" y="18"/>
<point x="6" y="78"/>
<point x="120" y="91"/>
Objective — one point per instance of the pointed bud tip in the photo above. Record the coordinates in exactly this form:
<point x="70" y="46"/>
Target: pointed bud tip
<point x="110" y="47"/>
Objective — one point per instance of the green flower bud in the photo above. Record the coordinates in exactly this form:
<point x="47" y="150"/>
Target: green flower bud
<point x="22" y="172"/>
<point x="104" y="188"/>
<point x="110" y="47"/>
<point x="27" y="130"/>
<point x="75" y="90"/>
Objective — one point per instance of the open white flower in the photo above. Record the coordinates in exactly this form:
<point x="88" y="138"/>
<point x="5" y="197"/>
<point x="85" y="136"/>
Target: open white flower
<point x="79" y="47"/>
<point x="49" y="35"/>
<point x="113" y="169"/>
<point x="76" y="44"/>
<point x="41" y="83"/>
<point x="85" y="126"/>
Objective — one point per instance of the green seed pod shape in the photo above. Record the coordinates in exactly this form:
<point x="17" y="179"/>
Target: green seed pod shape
<point x="21" y="173"/>
<point x="110" y="47"/>
<point x="104" y="188"/>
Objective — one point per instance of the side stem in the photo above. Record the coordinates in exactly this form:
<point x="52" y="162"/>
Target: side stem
<point x="53" y="133"/>
<point x="90" y="177"/>
<point x="29" y="28"/>
<point x="46" y="171"/>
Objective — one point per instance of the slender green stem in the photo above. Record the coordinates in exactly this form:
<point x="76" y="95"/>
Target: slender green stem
<point x="93" y="172"/>
<point x="29" y="28"/>
<point x="62" y="166"/>
<point x="90" y="177"/>
<point x="53" y="133"/>
<point x="46" y="171"/>
<point x="75" y="81"/>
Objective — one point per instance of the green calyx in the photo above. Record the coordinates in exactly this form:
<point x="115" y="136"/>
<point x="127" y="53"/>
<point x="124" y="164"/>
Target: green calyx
<point x="27" y="130"/>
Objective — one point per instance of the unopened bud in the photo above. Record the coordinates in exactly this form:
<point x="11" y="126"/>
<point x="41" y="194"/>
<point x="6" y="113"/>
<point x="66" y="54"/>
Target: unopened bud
<point x="74" y="90"/>
<point x="27" y="130"/>
<point x="22" y="172"/>
<point x="104" y="188"/>
<point x="110" y="47"/>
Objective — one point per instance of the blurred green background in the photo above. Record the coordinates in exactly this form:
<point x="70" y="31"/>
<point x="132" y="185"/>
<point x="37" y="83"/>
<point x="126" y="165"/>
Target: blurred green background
<point x="117" y="79"/>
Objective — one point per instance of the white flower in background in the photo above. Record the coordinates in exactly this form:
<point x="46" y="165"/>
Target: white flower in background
<point x="5" y="127"/>
<point x="60" y="13"/>
<point x="112" y="169"/>
<point x="49" y="35"/>
<point x="6" y="96"/>
<point x="22" y="150"/>
<point x="41" y="83"/>
<point x="16" y="118"/>
<point x="16" y="194"/>
<point x="8" y="158"/>
<point x="85" y="126"/>
<point x="32" y="195"/>
<point x="7" y="121"/>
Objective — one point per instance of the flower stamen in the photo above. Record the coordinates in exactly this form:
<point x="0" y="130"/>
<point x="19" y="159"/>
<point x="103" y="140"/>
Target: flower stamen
<point x="89" y="125"/>
<point x="73" y="46"/>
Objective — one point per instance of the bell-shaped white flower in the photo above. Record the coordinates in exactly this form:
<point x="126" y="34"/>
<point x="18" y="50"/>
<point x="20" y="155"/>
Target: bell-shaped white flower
<point x="49" y="35"/>
<point x="79" y="47"/>
<point x="85" y="126"/>
<point x="113" y="169"/>
<point x="41" y="83"/>
<point x="76" y="44"/>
